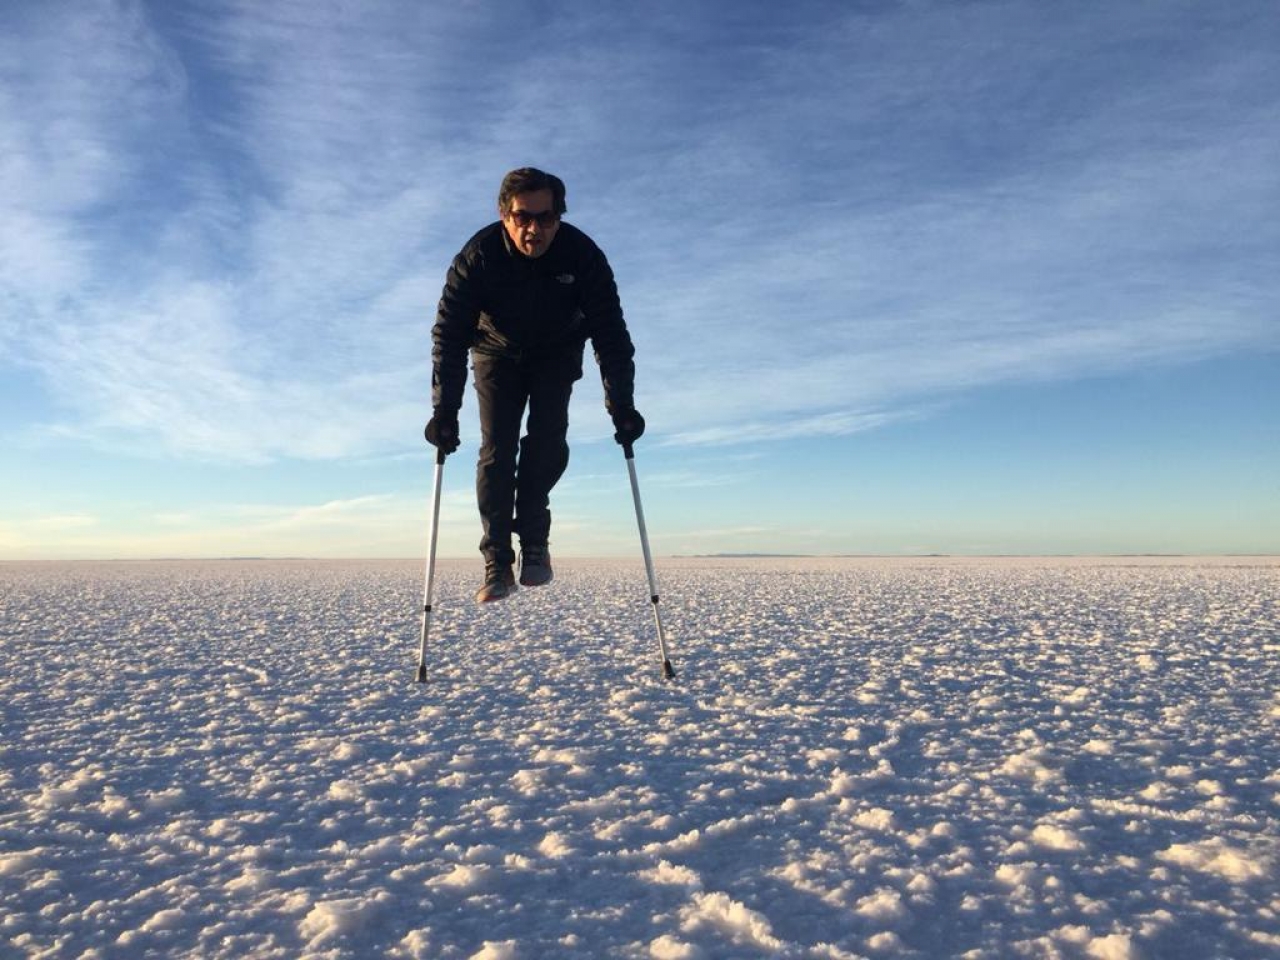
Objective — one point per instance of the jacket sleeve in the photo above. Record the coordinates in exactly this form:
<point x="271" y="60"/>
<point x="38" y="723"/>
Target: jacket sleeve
<point x="452" y="335"/>
<point x="608" y="332"/>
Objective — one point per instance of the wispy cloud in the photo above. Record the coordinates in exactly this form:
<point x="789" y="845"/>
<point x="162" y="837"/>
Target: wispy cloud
<point x="227" y="228"/>
<point x="30" y="535"/>
<point x="64" y="522"/>
<point x="979" y="219"/>
<point x="384" y="525"/>
<point x="821" y="425"/>
<point x="265" y="297"/>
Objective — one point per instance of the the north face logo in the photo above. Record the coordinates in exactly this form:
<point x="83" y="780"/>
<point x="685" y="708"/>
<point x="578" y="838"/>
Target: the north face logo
<point x="565" y="278"/>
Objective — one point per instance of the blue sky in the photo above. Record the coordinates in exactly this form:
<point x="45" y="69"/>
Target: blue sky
<point x="912" y="277"/>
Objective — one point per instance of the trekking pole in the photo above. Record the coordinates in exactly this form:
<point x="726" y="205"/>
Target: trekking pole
<point x="668" y="672"/>
<point x="429" y="587"/>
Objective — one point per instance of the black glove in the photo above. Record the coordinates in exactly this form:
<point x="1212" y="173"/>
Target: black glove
<point x="629" y="425"/>
<point x="442" y="432"/>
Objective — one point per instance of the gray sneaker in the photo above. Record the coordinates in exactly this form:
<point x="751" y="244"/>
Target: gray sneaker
<point x="499" y="582"/>
<point x="535" y="565"/>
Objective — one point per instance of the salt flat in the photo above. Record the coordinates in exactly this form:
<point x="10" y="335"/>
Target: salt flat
<point x="968" y="758"/>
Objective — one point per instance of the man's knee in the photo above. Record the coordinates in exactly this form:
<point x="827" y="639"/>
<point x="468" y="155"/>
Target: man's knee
<point x="499" y="446"/>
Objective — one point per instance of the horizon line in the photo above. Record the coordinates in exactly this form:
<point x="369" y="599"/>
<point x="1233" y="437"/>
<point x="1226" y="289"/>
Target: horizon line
<point x="252" y="558"/>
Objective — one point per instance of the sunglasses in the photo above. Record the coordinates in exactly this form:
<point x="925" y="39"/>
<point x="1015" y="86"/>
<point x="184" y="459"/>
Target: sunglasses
<point x="545" y="219"/>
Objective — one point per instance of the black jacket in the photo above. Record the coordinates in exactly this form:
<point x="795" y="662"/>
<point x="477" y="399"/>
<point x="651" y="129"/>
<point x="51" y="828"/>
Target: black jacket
<point x="500" y="303"/>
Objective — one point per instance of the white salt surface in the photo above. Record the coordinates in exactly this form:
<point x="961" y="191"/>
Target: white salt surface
<point x="860" y="758"/>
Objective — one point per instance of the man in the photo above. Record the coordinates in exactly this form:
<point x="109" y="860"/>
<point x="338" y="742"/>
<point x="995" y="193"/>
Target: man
<point x="524" y="295"/>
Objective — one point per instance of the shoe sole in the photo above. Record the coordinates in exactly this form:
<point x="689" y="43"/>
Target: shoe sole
<point x="540" y="581"/>
<point x="495" y="596"/>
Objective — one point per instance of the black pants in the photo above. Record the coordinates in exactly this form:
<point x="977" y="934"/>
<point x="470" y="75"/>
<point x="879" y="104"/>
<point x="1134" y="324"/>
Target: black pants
<point x="514" y="476"/>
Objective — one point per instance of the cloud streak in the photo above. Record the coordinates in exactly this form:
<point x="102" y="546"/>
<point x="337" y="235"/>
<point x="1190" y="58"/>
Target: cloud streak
<point x="232" y="226"/>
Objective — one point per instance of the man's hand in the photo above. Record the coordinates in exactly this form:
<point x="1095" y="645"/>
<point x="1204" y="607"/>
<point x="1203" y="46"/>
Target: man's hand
<point x="629" y="426"/>
<point x="442" y="432"/>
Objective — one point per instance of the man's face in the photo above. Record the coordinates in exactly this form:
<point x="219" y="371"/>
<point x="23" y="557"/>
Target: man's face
<point x="531" y="223"/>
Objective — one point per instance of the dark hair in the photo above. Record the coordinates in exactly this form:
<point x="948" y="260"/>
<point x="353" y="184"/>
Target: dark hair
<point x="526" y="180"/>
